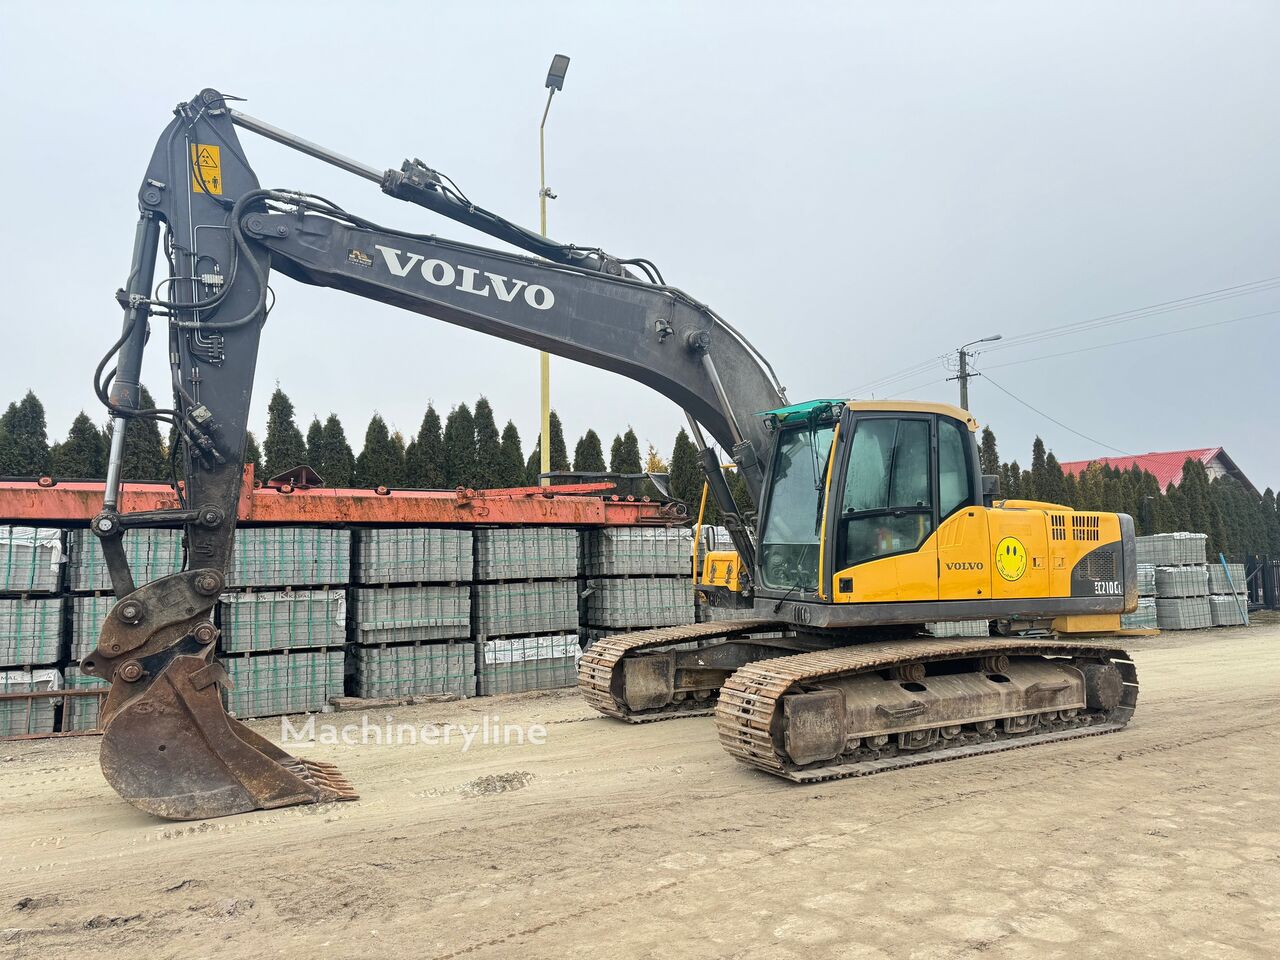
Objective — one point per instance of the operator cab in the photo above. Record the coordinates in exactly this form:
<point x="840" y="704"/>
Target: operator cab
<point x="858" y="481"/>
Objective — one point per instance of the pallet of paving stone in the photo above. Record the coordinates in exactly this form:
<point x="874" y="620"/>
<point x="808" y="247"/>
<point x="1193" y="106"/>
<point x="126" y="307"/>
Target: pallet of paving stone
<point x="1183" y="613"/>
<point x="290" y="557"/>
<point x="152" y="553"/>
<point x="282" y="619"/>
<point x="639" y="602"/>
<point x="410" y="614"/>
<point x="82" y="712"/>
<point x="31" y="559"/>
<point x="415" y="669"/>
<point x="520" y="664"/>
<point x="707" y="613"/>
<point x="31" y="631"/>
<point x="88" y="614"/>
<point x="519" y="609"/>
<point x="1146" y="579"/>
<point x="630" y="551"/>
<point x="1219" y="582"/>
<point x="526" y="553"/>
<point x="22" y="716"/>
<point x="292" y="681"/>
<point x="1228" y="610"/>
<point x="1188" y="581"/>
<point x="1144" y="618"/>
<point x="1172" y="549"/>
<point x="413" y="555"/>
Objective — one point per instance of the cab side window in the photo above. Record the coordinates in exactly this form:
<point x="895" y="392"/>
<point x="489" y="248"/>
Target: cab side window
<point x="955" y="479"/>
<point x="887" y="507"/>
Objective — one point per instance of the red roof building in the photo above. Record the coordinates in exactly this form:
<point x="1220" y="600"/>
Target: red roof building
<point x="1167" y="467"/>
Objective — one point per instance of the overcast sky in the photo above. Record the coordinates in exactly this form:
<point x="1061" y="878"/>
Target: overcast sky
<point x="858" y="187"/>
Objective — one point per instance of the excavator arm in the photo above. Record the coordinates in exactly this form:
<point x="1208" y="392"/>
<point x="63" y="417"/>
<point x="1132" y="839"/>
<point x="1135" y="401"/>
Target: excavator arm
<point x="169" y="746"/>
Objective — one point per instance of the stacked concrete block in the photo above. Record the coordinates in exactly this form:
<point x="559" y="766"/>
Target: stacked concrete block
<point x="87" y="617"/>
<point x="30" y="631"/>
<point x="31" y="559"/>
<point x="152" y="554"/>
<point x="411" y="614"/>
<point x="20" y="716"/>
<point x="283" y="620"/>
<point x="707" y="613"/>
<point x="1228" y="610"/>
<point x="1183" y="613"/>
<point x="662" y="551"/>
<point x="1144" y="618"/>
<point x="415" y="669"/>
<point x="635" y="603"/>
<point x="526" y="553"/>
<point x="960" y="628"/>
<point x="1219" y="582"/>
<point x="268" y="684"/>
<point x="520" y="609"/>
<point x="290" y="557"/>
<point x="519" y="664"/>
<point x="1172" y="549"/>
<point x="1188" y="581"/>
<point x="414" y="555"/>
<point x="1146" y="579"/>
<point x="81" y="712"/>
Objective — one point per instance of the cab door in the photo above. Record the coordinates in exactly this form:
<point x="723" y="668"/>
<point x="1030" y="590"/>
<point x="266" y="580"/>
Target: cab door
<point x="885" y="549"/>
<point x="964" y="538"/>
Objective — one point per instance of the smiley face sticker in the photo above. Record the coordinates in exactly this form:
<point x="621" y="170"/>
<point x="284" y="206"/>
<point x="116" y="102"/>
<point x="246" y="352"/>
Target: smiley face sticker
<point x="1011" y="558"/>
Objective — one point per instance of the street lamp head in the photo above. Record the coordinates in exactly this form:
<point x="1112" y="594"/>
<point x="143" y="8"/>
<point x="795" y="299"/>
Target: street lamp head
<point x="559" y="67"/>
<point x="994" y="336"/>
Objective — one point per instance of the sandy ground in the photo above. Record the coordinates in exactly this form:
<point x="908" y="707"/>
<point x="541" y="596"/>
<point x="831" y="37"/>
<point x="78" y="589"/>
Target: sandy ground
<point x="637" y="842"/>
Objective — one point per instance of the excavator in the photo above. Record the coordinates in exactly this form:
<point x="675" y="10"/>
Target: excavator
<point x="871" y="519"/>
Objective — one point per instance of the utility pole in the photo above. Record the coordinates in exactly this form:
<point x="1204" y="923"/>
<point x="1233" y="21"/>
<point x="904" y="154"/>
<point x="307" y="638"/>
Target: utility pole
<point x="964" y="373"/>
<point x="555" y="81"/>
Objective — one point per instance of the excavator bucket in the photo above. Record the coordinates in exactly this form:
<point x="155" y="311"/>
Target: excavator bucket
<point x="172" y="750"/>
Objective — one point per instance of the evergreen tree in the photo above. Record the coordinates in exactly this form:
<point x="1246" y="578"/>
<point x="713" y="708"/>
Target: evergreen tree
<point x="1038" y="478"/>
<point x="1270" y="524"/>
<point x="489" y="466"/>
<point x="83" y="454"/>
<point x="426" y="469"/>
<point x="514" y="472"/>
<point x="460" y="448"/>
<point x="25" y="447"/>
<point x="588" y="455"/>
<point x="285" y="448"/>
<point x="624" y="455"/>
<point x="685" y="476"/>
<point x="1011" y="482"/>
<point x="559" y="452"/>
<point x="379" y="463"/>
<point x="987" y="455"/>
<point x="145" y="457"/>
<point x="336" y="462"/>
<point x="398" y="454"/>
<point x="1054" y="483"/>
<point x="315" y="445"/>
<point x="252" y="453"/>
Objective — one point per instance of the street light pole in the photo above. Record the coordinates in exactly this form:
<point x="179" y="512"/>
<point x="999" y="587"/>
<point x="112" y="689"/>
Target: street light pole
<point x="964" y="373"/>
<point x="555" y="81"/>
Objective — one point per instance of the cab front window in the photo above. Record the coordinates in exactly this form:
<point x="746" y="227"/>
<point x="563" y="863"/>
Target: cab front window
<point x="789" y="541"/>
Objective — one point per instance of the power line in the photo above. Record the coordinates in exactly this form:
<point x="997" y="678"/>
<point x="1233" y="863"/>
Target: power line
<point x="1055" y="420"/>
<point x="1152" y="336"/>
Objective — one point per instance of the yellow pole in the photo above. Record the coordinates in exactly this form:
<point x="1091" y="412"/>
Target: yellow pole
<point x="544" y="358"/>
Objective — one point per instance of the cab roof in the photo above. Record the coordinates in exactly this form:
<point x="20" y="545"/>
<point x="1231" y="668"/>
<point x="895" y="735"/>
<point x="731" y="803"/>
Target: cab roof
<point x="799" y="411"/>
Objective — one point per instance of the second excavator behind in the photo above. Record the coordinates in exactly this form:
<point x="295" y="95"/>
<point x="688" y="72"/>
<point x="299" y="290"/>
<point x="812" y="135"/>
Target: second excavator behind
<point x="872" y="518"/>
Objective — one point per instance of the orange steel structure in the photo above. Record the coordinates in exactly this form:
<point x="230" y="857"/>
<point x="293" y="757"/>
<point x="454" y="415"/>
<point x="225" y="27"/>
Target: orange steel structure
<point x="51" y="501"/>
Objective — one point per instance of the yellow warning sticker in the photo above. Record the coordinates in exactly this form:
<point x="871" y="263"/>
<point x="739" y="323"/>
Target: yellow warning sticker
<point x="206" y="168"/>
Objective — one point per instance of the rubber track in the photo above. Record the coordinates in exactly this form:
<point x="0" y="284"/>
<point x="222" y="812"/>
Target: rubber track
<point x="751" y="697"/>
<point x="595" y="669"/>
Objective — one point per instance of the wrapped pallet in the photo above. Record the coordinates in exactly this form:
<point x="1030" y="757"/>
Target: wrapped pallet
<point x="1144" y="618"/>
<point x="281" y="620"/>
<point x="1230" y="580"/>
<point x="519" y="664"/>
<point x="31" y="559"/>
<point x="269" y="684"/>
<point x="638" y="603"/>
<point x="960" y="628"/>
<point x="622" y="551"/>
<point x="416" y="669"/>
<point x="290" y="557"/>
<point x="411" y="614"/>
<point x="1183" y="613"/>
<point x="24" y="716"/>
<point x="30" y="631"/>
<point x="526" y="553"/>
<point x="520" y="609"/>
<point x="152" y="554"/>
<point x="1228" y="610"/>
<point x="1188" y="581"/>
<point x="1172" y="549"/>
<point x="414" y="555"/>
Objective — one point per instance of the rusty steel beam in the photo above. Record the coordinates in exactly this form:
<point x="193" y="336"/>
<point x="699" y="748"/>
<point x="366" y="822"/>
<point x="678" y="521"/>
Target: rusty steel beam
<point x="587" y="504"/>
